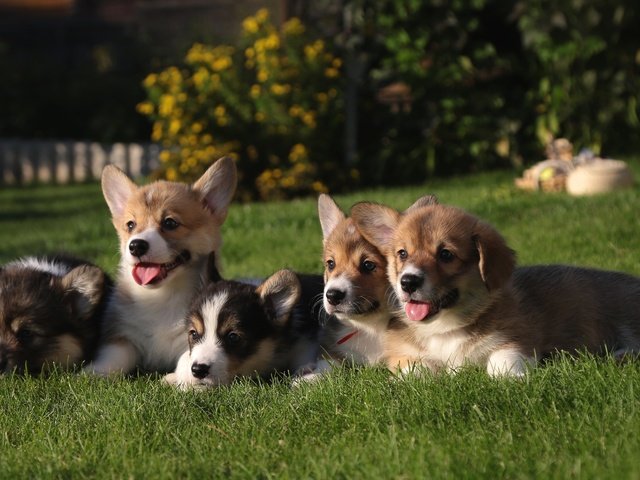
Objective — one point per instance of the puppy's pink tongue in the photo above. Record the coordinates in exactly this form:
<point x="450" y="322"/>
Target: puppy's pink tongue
<point x="145" y="273"/>
<point x="417" y="311"/>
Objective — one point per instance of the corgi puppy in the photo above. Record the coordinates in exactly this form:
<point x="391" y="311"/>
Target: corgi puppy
<point x="356" y="292"/>
<point x="167" y="231"/>
<point x="239" y="330"/>
<point x="50" y="313"/>
<point x="465" y="302"/>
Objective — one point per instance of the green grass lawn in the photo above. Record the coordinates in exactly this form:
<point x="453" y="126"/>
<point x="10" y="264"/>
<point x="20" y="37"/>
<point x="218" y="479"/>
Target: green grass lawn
<point x="570" y="419"/>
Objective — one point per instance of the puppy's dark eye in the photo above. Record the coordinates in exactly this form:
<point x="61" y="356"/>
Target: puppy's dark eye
<point x="402" y="254"/>
<point x="194" y="336"/>
<point x="169" y="224"/>
<point x="131" y="225"/>
<point x="368" y="266"/>
<point x="232" y="338"/>
<point x="331" y="265"/>
<point x="25" y="335"/>
<point x="445" y="256"/>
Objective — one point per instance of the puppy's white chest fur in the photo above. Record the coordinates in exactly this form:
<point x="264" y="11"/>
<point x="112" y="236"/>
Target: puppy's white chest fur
<point x="446" y="342"/>
<point x="153" y="320"/>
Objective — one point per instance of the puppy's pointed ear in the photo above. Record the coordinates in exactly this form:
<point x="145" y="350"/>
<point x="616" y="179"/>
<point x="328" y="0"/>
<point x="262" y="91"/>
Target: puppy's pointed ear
<point x="217" y="186"/>
<point x="84" y="288"/>
<point x="329" y="213"/>
<point x="117" y="188"/>
<point x="425" y="201"/>
<point x="281" y="291"/>
<point x="376" y="222"/>
<point x="213" y="274"/>
<point x="497" y="260"/>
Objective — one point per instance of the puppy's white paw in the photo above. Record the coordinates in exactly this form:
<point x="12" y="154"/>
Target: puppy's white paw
<point x="170" y="379"/>
<point x="509" y="362"/>
<point x="311" y="372"/>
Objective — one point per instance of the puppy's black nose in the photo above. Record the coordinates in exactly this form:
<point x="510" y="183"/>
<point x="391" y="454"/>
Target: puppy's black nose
<point x="138" y="247"/>
<point x="200" y="370"/>
<point x="410" y="283"/>
<point x="335" y="296"/>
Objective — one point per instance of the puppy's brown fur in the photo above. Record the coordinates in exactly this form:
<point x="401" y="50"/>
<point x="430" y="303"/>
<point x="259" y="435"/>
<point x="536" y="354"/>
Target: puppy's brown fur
<point x="466" y="303"/>
<point x="50" y="313"/>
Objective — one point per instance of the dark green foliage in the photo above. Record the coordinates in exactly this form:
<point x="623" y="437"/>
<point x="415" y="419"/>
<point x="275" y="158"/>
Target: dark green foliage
<point x="492" y="81"/>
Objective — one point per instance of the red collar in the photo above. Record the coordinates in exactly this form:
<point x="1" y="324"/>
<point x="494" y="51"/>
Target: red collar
<point x="347" y="337"/>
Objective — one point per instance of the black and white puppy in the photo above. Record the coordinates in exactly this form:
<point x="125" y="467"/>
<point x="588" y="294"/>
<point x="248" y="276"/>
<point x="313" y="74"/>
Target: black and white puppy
<point x="240" y="330"/>
<point x="50" y="312"/>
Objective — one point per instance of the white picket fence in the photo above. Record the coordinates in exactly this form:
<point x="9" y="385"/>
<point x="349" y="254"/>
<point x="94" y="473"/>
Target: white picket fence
<point x="28" y="161"/>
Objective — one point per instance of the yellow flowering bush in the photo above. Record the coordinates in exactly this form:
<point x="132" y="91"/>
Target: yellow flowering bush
<point x="272" y="102"/>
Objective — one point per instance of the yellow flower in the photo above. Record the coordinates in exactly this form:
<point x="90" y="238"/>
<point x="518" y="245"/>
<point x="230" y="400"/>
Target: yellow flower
<point x="336" y="63"/>
<point x="262" y="75"/>
<point x="259" y="117"/>
<point x="332" y="92"/>
<point x="319" y="187"/>
<point x="288" y="182"/>
<point x="279" y="89"/>
<point x="222" y="121"/>
<point x="331" y="72"/>
<point x="250" y="25"/>
<point x="295" y="110"/>
<point x="206" y="139"/>
<point x="310" y="52"/>
<point x="200" y="77"/>
<point x="220" y="111"/>
<point x="249" y="53"/>
<point x="195" y="53"/>
<point x="322" y="97"/>
<point x="171" y="174"/>
<point x="174" y="126"/>
<point x="167" y="103"/>
<point x="293" y="26"/>
<point x="150" y="80"/>
<point x="255" y="91"/>
<point x="309" y="119"/>
<point x="196" y="127"/>
<point x="221" y="63"/>
<point x="262" y="15"/>
<point x="165" y="156"/>
<point x="298" y="151"/>
<point x="146" y="108"/>
<point x="272" y="42"/>
<point x="156" y="133"/>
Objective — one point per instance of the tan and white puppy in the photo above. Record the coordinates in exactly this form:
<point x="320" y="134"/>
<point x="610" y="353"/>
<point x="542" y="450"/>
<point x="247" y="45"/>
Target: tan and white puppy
<point x="167" y="231"/>
<point x="356" y="291"/>
<point x="465" y="301"/>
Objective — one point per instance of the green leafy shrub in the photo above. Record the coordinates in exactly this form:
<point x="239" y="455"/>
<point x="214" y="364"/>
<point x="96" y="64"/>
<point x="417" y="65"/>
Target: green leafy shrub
<point x="585" y="59"/>
<point x="492" y="81"/>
